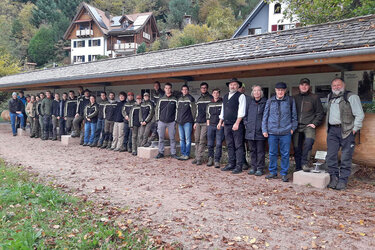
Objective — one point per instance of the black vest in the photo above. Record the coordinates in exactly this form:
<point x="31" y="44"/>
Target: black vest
<point x="231" y="108"/>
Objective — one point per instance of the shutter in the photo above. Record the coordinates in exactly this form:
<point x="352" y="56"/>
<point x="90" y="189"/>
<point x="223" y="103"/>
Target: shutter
<point x="274" y="27"/>
<point x="89" y="43"/>
<point x="83" y="58"/>
<point x="74" y="58"/>
<point x="74" y="44"/>
<point x="83" y="43"/>
<point x="89" y="58"/>
<point x="98" y="42"/>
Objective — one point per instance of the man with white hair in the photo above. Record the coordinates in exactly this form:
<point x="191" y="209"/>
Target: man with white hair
<point x="344" y="119"/>
<point x="15" y="106"/>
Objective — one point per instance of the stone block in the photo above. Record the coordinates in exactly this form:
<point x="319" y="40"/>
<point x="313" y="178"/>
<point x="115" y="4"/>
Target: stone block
<point x="318" y="180"/>
<point x="69" y="140"/>
<point x="21" y="132"/>
<point x="149" y="153"/>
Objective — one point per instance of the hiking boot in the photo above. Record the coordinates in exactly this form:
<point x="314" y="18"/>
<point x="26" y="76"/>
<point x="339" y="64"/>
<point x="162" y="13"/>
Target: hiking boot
<point x="271" y="176"/>
<point x="237" y="170"/>
<point x="199" y="162"/>
<point x="85" y="144"/>
<point x="94" y="144"/>
<point x="148" y="144"/>
<point x="16" y="135"/>
<point x="116" y="149"/>
<point x="285" y="178"/>
<point x="245" y="166"/>
<point x="122" y="149"/>
<point x="251" y="172"/>
<point x="228" y="168"/>
<point x="183" y="158"/>
<point x="129" y="150"/>
<point x="306" y="168"/>
<point x="174" y="156"/>
<point x="341" y="185"/>
<point x="217" y="164"/>
<point x="194" y="161"/>
<point x="105" y="143"/>
<point x="259" y="173"/>
<point x="333" y="182"/>
<point x="159" y="156"/>
<point x="210" y="162"/>
<point x="134" y="153"/>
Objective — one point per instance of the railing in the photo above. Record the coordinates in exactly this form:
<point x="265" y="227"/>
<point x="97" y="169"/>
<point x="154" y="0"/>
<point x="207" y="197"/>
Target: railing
<point x="85" y="32"/>
<point x="125" y="46"/>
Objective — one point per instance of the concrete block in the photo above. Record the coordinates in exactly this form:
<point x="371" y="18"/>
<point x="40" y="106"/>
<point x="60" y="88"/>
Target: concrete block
<point x="69" y="140"/>
<point x="22" y="132"/>
<point x="318" y="180"/>
<point x="149" y="153"/>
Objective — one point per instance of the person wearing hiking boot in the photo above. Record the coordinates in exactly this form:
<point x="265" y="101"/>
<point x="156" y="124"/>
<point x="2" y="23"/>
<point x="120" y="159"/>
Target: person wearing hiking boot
<point x="70" y="111"/>
<point x="62" y="115"/>
<point x="99" y="133"/>
<point x="186" y="111"/>
<point x="21" y="96"/>
<point x="36" y="126"/>
<point x="30" y="112"/>
<point x="90" y="114"/>
<point x="344" y="120"/>
<point x="127" y="144"/>
<point x="109" y="116"/>
<point x="310" y="114"/>
<point x="146" y="117"/>
<point x="118" y="127"/>
<point x="214" y="134"/>
<point x="15" y="107"/>
<point x="200" y="123"/>
<point x="157" y="92"/>
<point x="255" y="105"/>
<point x="278" y="124"/>
<point x="134" y="123"/>
<point x="55" y="115"/>
<point x="82" y="102"/>
<point x="46" y="109"/>
<point x="245" y="165"/>
<point x="232" y="113"/>
<point x="165" y="116"/>
<point x="40" y="115"/>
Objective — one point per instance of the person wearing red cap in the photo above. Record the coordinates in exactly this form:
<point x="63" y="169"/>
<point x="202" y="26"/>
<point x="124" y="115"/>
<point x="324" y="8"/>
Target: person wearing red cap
<point x="127" y="144"/>
<point x="134" y="123"/>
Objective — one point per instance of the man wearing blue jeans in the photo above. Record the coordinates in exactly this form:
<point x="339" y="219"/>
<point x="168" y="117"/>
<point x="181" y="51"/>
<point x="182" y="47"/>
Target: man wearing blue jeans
<point x="91" y="118"/>
<point x="99" y="133"/>
<point x="15" y="110"/>
<point x="186" y="111"/>
<point x="279" y="122"/>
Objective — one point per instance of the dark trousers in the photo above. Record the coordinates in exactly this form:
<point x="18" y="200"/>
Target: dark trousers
<point x="303" y="141"/>
<point x="234" y="140"/>
<point x="62" y="129"/>
<point x="99" y="132"/>
<point x="47" y="124"/>
<point x="127" y="137"/>
<point x="334" y="143"/>
<point x="215" y="135"/>
<point x="257" y="154"/>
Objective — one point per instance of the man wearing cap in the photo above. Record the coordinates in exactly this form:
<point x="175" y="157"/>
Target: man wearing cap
<point x="310" y="115"/>
<point x="279" y="123"/>
<point x="134" y="123"/>
<point x="62" y="114"/>
<point x="21" y="96"/>
<point x="82" y="102"/>
<point x="40" y="114"/>
<point x="109" y="115"/>
<point x="118" y="127"/>
<point x="99" y="132"/>
<point x="200" y="123"/>
<point x="55" y="115"/>
<point x="46" y="109"/>
<point x="15" y="107"/>
<point x="147" y="116"/>
<point x="344" y="119"/>
<point x="166" y="115"/>
<point x="127" y="130"/>
<point x="232" y="113"/>
<point x="70" y="111"/>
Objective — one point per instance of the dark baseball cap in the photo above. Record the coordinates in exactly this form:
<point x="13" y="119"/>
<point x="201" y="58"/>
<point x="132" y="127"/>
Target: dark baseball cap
<point x="281" y="85"/>
<point x="304" y="80"/>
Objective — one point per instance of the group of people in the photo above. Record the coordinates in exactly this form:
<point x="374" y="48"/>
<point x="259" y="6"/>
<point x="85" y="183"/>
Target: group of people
<point x="243" y="122"/>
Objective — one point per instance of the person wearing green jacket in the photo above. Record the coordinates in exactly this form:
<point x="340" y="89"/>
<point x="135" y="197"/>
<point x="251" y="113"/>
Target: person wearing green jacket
<point x="46" y="109"/>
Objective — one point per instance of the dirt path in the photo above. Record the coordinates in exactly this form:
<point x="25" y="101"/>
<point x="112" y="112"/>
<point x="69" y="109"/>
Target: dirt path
<point x="203" y="207"/>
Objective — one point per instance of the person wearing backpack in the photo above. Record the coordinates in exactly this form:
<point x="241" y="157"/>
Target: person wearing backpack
<point x="278" y="124"/>
<point x="344" y="119"/>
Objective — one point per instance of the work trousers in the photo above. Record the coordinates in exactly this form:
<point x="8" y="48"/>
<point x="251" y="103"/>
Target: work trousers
<point x="144" y="133"/>
<point x="135" y="139"/>
<point x="200" y="136"/>
<point x="257" y="154"/>
<point x="234" y="141"/>
<point x="162" y="126"/>
<point x="118" y="135"/>
<point x="303" y="141"/>
<point x="215" y="135"/>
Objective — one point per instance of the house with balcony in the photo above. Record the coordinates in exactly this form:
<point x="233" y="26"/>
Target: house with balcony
<point x="95" y="33"/>
<point x="266" y="17"/>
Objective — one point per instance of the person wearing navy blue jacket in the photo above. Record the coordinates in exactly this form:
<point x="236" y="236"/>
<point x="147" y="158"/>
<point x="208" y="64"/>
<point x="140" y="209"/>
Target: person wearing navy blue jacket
<point x="55" y="115"/>
<point x="255" y="105"/>
<point x="279" y="123"/>
<point x="62" y="115"/>
<point x="90" y="114"/>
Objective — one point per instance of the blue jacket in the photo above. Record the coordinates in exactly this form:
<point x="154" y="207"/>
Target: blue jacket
<point x="280" y="116"/>
<point x="253" y="118"/>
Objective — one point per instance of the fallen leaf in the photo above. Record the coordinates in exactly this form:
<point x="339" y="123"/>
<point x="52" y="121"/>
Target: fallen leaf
<point x="56" y="226"/>
<point x="253" y="240"/>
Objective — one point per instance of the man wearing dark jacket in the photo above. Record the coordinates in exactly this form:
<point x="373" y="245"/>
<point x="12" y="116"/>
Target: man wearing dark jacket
<point x="156" y="94"/>
<point x="55" y="115"/>
<point x="279" y="123"/>
<point x="147" y="117"/>
<point x="109" y="116"/>
<point x="186" y="111"/>
<point x="134" y="123"/>
<point x="166" y="116"/>
<point x="62" y="130"/>
<point x="99" y="133"/>
<point x="82" y="102"/>
<point x="214" y="134"/>
<point x="310" y="114"/>
<point x="46" y="109"/>
<point x="40" y="114"/>
<point x="118" y="127"/>
<point x="200" y="125"/>
<point x="70" y="110"/>
<point x="127" y="131"/>
<point x="15" y="106"/>
<point x="91" y="117"/>
<point x="255" y="106"/>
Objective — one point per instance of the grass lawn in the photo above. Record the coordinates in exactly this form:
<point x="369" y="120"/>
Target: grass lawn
<point x="36" y="216"/>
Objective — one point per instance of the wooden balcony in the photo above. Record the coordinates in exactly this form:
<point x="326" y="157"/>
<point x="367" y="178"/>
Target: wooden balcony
<point x="84" y="33"/>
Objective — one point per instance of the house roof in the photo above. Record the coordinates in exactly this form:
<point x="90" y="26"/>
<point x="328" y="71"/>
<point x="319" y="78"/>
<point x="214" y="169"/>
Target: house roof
<point x="336" y="39"/>
<point x="250" y="17"/>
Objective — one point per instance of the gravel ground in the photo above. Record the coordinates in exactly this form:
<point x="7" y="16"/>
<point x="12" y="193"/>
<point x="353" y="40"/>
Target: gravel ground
<point x="202" y="207"/>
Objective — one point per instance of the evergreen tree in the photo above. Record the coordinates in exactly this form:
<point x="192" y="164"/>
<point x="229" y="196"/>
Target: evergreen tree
<point x="41" y="47"/>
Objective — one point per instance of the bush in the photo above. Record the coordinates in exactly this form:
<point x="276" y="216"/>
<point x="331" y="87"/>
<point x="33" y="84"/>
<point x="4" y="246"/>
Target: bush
<point x="368" y="107"/>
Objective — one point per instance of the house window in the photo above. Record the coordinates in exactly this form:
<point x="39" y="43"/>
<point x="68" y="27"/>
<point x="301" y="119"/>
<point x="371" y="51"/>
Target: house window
<point x="80" y="44"/>
<point x="277" y="9"/>
<point x="83" y="26"/>
<point x="79" y="59"/>
<point x="95" y="42"/>
<point x="255" y="31"/>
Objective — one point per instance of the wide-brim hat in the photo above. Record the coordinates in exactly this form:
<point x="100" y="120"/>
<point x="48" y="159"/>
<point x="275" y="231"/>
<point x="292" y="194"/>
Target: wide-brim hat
<point x="234" y="80"/>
